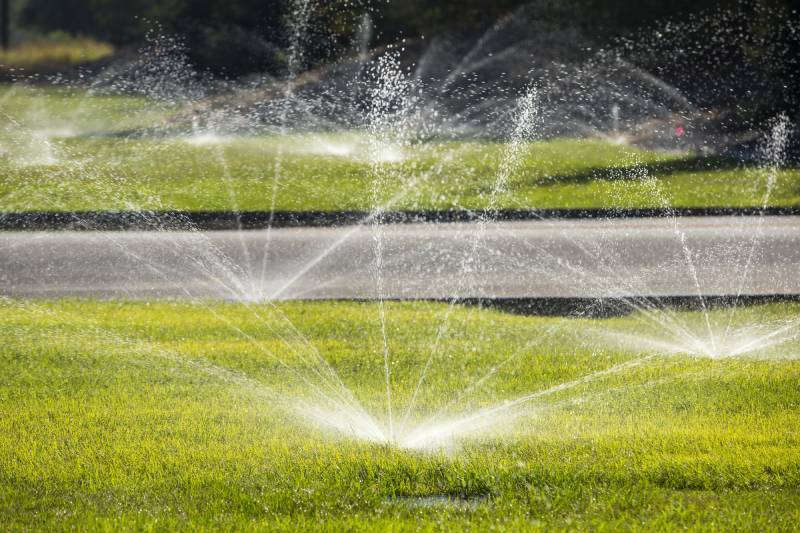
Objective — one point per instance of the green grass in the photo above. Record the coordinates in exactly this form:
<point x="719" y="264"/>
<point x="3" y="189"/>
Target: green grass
<point x="146" y="415"/>
<point x="53" y="53"/>
<point x="51" y="159"/>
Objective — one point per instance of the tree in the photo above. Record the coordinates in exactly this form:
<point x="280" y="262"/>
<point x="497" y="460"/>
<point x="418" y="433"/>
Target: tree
<point x="5" y="23"/>
<point x="72" y="16"/>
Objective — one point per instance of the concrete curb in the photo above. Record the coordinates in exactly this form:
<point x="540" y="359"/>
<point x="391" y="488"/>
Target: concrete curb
<point x="253" y="220"/>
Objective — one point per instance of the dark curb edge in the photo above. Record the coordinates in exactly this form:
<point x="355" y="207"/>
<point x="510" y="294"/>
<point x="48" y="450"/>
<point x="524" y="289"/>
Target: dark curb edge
<point x="252" y="220"/>
<point x="608" y="307"/>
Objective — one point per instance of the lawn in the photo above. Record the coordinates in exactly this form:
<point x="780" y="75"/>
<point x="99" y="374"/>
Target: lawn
<point x="68" y="150"/>
<point x="167" y="415"/>
<point x="51" y="54"/>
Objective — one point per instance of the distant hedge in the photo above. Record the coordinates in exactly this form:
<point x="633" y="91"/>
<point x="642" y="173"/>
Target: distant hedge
<point x="236" y="37"/>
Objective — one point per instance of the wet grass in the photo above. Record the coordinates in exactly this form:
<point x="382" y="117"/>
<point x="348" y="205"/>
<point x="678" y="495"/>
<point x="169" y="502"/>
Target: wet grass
<point x="59" y="153"/>
<point x="162" y="415"/>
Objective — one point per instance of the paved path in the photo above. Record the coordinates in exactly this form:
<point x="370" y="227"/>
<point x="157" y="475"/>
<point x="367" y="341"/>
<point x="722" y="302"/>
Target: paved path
<point x="585" y="258"/>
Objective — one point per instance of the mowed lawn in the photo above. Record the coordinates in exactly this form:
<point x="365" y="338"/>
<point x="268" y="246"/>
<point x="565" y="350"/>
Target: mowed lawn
<point x="162" y="415"/>
<point x="65" y="150"/>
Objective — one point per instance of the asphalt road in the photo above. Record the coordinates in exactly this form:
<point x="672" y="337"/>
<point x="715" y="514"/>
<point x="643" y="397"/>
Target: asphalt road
<point x="539" y="259"/>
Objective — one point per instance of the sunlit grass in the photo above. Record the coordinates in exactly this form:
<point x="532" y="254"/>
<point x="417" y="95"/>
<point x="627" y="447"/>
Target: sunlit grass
<point x="54" y="53"/>
<point x="63" y="153"/>
<point x="145" y="414"/>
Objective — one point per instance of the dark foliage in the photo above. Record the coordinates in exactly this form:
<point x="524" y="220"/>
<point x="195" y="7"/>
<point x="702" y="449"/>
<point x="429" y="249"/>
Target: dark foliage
<point x="236" y="37"/>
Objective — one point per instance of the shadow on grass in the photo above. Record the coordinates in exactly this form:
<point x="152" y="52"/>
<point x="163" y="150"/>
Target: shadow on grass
<point x="659" y="168"/>
<point x="614" y="307"/>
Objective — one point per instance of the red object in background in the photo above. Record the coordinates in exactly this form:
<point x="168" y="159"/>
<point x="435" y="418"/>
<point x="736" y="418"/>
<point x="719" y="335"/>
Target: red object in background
<point x="679" y="131"/>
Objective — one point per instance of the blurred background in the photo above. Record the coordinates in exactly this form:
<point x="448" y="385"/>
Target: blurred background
<point x="232" y="38"/>
<point x="734" y="62"/>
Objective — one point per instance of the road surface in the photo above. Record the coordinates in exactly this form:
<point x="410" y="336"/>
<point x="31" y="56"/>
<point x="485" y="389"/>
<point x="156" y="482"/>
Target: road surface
<point x="537" y="259"/>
